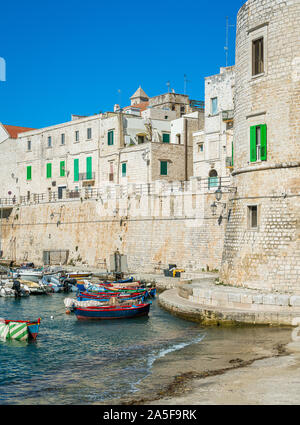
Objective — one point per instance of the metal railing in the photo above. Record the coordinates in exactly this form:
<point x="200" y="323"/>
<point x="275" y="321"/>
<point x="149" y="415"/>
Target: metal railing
<point x="115" y="191"/>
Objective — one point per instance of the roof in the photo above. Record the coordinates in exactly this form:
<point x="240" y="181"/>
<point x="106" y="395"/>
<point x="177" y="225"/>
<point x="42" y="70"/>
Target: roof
<point x="139" y="93"/>
<point x="13" y="130"/>
<point x="141" y="106"/>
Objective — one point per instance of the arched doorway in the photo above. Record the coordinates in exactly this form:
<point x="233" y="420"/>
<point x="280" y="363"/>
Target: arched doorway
<point x="213" y="179"/>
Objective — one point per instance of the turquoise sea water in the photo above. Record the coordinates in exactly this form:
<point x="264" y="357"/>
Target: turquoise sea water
<point x="83" y="362"/>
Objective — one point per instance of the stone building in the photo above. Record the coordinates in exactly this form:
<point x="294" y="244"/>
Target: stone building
<point x="130" y="145"/>
<point x="213" y="144"/>
<point x="262" y="243"/>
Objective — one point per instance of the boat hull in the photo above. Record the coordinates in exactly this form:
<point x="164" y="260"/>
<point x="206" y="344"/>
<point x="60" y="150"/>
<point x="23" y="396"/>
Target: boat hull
<point x="108" y="313"/>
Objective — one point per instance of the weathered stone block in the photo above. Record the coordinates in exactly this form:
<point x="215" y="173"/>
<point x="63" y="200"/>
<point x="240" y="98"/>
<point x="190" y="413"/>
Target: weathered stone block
<point x="295" y="300"/>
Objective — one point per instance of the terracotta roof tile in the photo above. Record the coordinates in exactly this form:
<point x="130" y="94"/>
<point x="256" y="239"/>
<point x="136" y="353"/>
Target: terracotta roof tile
<point x="13" y="130"/>
<point x="141" y="106"/>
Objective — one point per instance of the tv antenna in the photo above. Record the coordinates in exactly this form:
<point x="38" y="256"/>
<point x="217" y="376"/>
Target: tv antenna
<point x="168" y="84"/>
<point x="185" y="83"/>
<point x="226" y="48"/>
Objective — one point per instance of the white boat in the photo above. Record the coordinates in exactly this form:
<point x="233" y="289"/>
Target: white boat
<point x="29" y="274"/>
<point x="7" y="290"/>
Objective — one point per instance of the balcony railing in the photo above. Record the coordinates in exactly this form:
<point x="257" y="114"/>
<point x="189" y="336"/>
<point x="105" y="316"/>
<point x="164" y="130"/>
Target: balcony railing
<point x="227" y="115"/>
<point x="87" y="176"/>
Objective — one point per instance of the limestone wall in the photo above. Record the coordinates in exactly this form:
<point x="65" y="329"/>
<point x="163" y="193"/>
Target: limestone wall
<point x="167" y="226"/>
<point x="267" y="256"/>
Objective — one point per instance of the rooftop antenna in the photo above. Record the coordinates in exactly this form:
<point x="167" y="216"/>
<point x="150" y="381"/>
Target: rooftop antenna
<point x="227" y="47"/>
<point x="168" y="84"/>
<point x="185" y="83"/>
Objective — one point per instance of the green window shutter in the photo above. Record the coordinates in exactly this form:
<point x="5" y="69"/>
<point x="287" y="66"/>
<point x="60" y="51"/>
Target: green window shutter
<point x="49" y="170"/>
<point x="253" y="144"/>
<point x="124" y="169"/>
<point x="163" y="168"/>
<point x="62" y="168"/>
<point x="110" y="137"/>
<point x="166" y="138"/>
<point x="89" y="167"/>
<point x="76" y="170"/>
<point x="28" y="173"/>
<point x="263" y="142"/>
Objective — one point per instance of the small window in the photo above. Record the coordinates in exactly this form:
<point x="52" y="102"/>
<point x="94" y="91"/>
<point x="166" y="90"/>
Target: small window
<point x="213" y="180"/>
<point x="29" y="145"/>
<point x="200" y="147"/>
<point x="252" y="217"/>
<point x="124" y="169"/>
<point x="166" y="117"/>
<point x="178" y="137"/>
<point x="49" y="142"/>
<point x="166" y="138"/>
<point x="89" y="133"/>
<point x="163" y="168"/>
<point x="214" y="105"/>
<point x="110" y="137"/>
<point x="62" y="139"/>
<point x="258" y="56"/>
<point x="141" y="139"/>
<point x="77" y="136"/>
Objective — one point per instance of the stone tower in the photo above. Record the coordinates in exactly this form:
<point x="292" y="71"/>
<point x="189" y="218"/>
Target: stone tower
<point x="262" y="242"/>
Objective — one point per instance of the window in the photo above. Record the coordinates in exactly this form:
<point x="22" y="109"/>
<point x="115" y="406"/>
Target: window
<point x="214" y="105"/>
<point x="141" y="139"/>
<point x="29" y="145"/>
<point x="77" y="136"/>
<point x="213" y="180"/>
<point x="110" y="137"/>
<point x="28" y="175"/>
<point x="62" y="139"/>
<point x="252" y="217"/>
<point x="49" y="170"/>
<point x="62" y="169"/>
<point x="124" y="169"/>
<point x="166" y="138"/>
<point x="166" y="117"/>
<point x="49" y="142"/>
<point x="89" y="168"/>
<point x="178" y="137"/>
<point x="163" y="168"/>
<point x="258" y="56"/>
<point x="200" y="147"/>
<point x="89" y="133"/>
<point x="258" y="143"/>
<point x="76" y="170"/>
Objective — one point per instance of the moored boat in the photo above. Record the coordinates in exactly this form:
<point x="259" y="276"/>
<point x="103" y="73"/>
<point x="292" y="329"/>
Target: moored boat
<point x="112" y="312"/>
<point x="20" y="330"/>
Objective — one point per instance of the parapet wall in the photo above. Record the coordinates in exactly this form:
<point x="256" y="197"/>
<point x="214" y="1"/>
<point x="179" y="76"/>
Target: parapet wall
<point x="167" y="225"/>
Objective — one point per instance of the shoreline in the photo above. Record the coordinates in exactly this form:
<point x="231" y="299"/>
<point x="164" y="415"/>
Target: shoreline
<point x="183" y="377"/>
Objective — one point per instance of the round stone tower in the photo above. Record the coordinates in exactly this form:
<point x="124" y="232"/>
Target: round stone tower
<point x="262" y="242"/>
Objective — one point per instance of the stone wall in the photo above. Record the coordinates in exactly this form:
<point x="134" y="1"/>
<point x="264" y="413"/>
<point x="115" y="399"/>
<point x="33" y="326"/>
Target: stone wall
<point x="267" y="256"/>
<point x="167" y="226"/>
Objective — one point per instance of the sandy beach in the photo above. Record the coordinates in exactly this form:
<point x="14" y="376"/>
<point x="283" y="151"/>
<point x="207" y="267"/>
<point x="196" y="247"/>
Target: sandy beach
<point x="232" y="366"/>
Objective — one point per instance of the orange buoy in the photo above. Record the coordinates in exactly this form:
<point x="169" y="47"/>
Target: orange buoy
<point x="68" y="312"/>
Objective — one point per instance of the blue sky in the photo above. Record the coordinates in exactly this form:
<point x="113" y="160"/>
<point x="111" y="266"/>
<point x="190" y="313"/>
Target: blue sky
<point x="66" y="57"/>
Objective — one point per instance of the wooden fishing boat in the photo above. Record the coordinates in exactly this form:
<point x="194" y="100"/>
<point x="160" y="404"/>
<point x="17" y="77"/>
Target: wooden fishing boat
<point x="20" y="330"/>
<point x="112" y="312"/>
<point x="78" y="275"/>
<point x="85" y="296"/>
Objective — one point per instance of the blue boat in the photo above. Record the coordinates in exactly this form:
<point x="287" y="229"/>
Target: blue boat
<point x="85" y="296"/>
<point x="112" y="312"/>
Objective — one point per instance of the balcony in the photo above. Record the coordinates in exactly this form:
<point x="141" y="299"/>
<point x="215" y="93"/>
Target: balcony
<point x="87" y="176"/>
<point x="227" y="115"/>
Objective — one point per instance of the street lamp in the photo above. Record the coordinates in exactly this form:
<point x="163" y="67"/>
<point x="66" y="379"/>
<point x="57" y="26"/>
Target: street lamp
<point x="213" y="208"/>
<point x="218" y="194"/>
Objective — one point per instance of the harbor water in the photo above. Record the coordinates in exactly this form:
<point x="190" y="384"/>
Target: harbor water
<point x="103" y="362"/>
